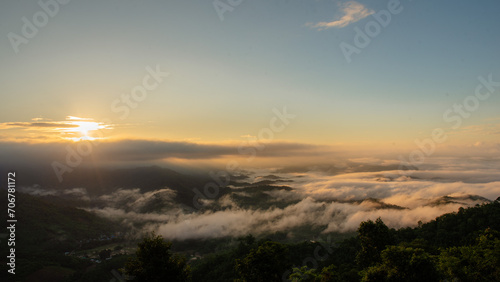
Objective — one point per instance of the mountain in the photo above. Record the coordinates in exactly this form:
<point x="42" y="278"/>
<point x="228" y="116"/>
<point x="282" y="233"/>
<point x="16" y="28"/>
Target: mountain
<point x="103" y="181"/>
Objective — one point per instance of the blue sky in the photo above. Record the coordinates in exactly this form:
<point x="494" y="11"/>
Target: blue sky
<point x="227" y="76"/>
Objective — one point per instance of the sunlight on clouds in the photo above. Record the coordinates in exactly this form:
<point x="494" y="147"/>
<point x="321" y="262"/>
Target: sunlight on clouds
<point x="84" y="130"/>
<point x="353" y="12"/>
<point x="73" y="128"/>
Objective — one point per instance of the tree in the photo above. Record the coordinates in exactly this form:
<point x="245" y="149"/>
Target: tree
<point x="304" y="274"/>
<point x="268" y="262"/>
<point x="401" y="263"/>
<point x="245" y="245"/>
<point x="373" y="238"/>
<point x="480" y="262"/>
<point x="155" y="262"/>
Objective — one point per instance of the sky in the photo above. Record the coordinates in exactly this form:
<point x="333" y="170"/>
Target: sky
<point x="316" y="77"/>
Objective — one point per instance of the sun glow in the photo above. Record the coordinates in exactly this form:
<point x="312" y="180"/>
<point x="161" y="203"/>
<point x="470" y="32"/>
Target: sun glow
<point x="83" y="129"/>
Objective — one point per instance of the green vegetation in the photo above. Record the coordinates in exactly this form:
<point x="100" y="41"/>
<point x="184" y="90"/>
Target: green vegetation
<point x="153" y="261"/>
<point x="460" y="246"/>
<point x="47" y="231"/>
<point x="265" y="263"/>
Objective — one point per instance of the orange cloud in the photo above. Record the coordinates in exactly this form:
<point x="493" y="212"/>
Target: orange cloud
<point x="353" y="12"/>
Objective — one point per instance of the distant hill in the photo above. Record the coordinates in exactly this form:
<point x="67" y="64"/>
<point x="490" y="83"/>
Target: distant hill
<point x="462" y="200"/>
<point x="47" y="228"/>
<point x="462" y="227"/>
<point x="49" y="224"/>
<point x="106" y="180"/>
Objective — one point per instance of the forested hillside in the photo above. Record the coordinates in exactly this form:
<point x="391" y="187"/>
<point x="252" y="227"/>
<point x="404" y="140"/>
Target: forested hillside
<point x="460" y="246"/>
<point x="463" y="245"/>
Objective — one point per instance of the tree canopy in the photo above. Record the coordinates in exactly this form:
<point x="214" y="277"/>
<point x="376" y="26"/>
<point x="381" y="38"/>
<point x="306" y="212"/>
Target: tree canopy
<point x="155" y="262"/>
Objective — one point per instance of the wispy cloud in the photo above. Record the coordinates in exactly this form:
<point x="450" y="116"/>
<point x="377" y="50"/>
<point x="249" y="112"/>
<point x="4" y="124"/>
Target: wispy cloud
<point x="73" y="128"/>
<point x="490" y="128"/>
<point x="105" y="152"/>
<point x="352" y="12"/>
<point x="36" y="125"/>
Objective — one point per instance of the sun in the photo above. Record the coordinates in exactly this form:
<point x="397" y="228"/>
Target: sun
<point x="84" y="127"/>
<point x="78" y="129"/>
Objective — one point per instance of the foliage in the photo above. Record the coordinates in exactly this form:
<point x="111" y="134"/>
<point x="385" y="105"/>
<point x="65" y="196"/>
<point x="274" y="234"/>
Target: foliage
<point x="472" y="263"/>
<point x="221" y="266"/>
<point x="49" y="227"/>
<point x="304" y="274"/>
<point x="268" y="262"/>
<point x="401" y="263"/>
<point x="460" y="228"/>
<point x="460" y="246"/>
<point x="378" y="253"/>
<point x="373" y="238"/>
<point x="155" y="262"/>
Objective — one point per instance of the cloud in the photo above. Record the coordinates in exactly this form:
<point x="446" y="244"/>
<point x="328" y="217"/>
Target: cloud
<point x="236" y="221"/>
<point x="73" y="128"/>
<point x="73" y="193"/>
<point x="323" y="198"/>
<point x="352" y="12"/>
<point x="134" y="200"/>
<point x="329" y="203"/>
<point x="36" y="125"/>
<point x="139" y="152"/>
<point x="36" y="190"/>
<point x="317" y="201"/>
<point x="491" y="127"/>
